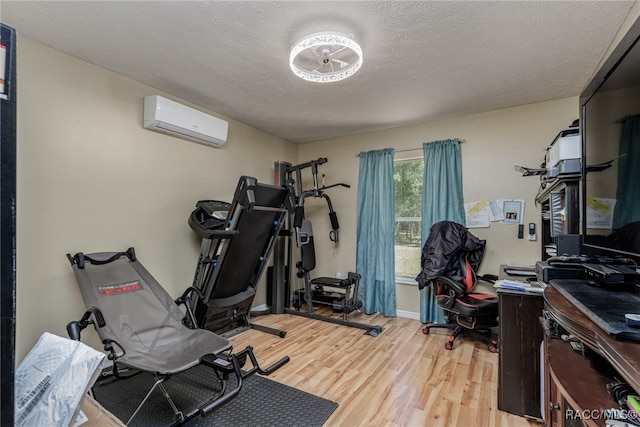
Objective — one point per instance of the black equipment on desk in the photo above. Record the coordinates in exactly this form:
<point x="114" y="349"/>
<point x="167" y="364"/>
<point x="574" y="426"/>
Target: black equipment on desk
<point x="630" y="273"/>
<point x="603" y="274"/>
<point x="546" y="272"/>
<point x="603" y="270"/>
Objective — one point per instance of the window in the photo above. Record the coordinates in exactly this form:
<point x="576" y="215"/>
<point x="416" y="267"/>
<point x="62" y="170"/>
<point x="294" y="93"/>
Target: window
<point x="408" y="179"/>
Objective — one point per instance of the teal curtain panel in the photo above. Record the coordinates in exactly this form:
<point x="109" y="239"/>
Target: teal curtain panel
<point x="375" y="259"/>
<point x="442" y="200"/>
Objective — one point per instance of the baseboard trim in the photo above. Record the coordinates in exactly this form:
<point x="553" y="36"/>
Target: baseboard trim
<point x="399" y="313"/>
<point x="408" y="314"/>
<point x="261" y="307"/>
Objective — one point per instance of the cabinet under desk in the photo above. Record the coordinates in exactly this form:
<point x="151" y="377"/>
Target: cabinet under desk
<point x="520" y="336"/>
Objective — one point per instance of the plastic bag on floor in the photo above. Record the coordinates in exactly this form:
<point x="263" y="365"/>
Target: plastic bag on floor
<point x="52" y="381"/>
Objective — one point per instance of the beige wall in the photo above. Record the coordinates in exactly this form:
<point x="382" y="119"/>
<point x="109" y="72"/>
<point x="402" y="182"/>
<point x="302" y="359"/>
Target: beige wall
<point x="91" y="178"/>
<point x="495" y="140"/>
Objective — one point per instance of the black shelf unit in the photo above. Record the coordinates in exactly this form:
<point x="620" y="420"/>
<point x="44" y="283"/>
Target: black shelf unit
<point x="560" y="203"/>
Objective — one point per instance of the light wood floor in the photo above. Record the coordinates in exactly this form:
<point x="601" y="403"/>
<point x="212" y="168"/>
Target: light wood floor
<point x="400" y="378"/>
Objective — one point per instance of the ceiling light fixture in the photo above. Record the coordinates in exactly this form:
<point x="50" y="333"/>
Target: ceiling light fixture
<point x="325" y="57"/>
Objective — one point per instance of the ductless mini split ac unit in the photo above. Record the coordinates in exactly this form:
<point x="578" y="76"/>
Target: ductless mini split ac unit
<point x="166" y="116"/>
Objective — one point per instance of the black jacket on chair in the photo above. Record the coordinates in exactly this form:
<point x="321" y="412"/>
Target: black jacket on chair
<point x="441" y="252"/>
<point x="450" y="259"/>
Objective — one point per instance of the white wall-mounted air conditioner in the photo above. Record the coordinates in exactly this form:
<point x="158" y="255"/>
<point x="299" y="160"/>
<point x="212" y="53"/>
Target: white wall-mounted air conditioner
<point x="163" y="115"/>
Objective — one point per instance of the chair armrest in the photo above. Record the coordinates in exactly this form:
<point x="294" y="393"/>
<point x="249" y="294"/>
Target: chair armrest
<point x="490" y="278"/>
<point x="184" y="299"/>
<point x="74" y="328"/>
<point x="457" y="287"/>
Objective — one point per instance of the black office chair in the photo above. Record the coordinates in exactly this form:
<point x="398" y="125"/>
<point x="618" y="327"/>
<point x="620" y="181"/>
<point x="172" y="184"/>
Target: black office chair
<point x="450" y="258"/>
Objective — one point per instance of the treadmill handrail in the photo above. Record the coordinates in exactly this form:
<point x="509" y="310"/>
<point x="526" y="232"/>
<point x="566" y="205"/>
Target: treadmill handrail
<point x="268" y="209"/>
<point x="222" y="234"/>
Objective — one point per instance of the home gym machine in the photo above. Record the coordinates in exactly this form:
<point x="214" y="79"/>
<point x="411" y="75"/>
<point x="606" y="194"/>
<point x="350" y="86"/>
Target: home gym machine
<point x="339" y="293"/>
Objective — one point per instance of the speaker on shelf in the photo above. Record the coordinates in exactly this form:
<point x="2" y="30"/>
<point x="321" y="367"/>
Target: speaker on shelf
<point x="569" y="244"/>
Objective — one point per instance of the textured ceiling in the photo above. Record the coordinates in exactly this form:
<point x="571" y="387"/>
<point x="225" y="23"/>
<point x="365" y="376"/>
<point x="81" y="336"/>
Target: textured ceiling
<point x="422" y="60"/>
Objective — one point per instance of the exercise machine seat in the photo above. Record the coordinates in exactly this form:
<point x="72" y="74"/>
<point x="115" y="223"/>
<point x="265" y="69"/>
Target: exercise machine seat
<point x="143" y="329"/>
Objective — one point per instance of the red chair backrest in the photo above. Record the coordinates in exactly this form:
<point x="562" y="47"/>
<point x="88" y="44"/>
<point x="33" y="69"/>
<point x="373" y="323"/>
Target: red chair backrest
<point x="469" y="278"/>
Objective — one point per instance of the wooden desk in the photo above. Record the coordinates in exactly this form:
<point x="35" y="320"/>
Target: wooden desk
<point x="574" y="382"/>
<point x="520" y="336"/>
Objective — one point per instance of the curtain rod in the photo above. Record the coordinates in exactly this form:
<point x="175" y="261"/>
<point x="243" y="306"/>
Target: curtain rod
<point x="419" y="148"/>
<point x="624" y="119"/>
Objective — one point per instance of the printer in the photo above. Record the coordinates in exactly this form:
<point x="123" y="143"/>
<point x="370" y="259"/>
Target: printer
<point x="564" y="153"/>
<point x="563" y="157"/>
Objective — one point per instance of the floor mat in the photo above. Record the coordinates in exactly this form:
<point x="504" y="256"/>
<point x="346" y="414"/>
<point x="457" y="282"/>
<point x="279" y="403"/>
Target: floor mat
<point x="261" y="402"/>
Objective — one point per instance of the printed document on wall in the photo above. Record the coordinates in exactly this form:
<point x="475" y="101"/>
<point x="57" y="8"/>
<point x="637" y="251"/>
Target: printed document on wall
<point x="513" y="211"/>
<point x="476" y="214"/>
<point x="480" y="214"/>
<point x="600" y="212"/>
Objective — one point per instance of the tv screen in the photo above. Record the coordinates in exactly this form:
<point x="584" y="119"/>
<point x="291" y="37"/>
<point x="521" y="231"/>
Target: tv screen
<point x="610" y="127"/>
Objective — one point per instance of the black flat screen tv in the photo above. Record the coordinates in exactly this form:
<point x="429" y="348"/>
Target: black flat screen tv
<point x="610" y="129"/>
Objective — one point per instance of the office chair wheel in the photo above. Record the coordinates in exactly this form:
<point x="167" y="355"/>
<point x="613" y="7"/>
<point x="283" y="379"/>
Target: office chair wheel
<point x="425" y="330"/>
<point x="449" y="344"/>
<point x="493" y="348"/>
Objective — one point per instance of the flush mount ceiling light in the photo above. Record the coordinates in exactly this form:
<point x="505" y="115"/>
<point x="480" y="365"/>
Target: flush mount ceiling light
<point x="325" y="57"/>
